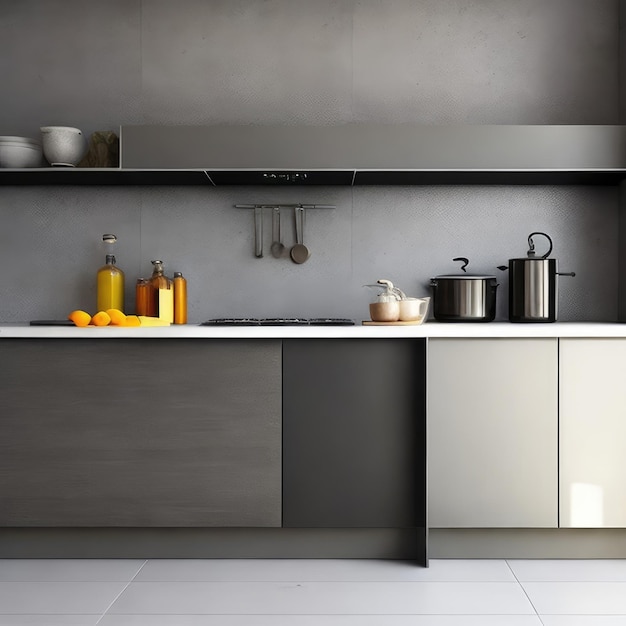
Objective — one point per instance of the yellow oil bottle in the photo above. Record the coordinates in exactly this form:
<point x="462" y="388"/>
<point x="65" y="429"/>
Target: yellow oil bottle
<point x="110" y="282"/>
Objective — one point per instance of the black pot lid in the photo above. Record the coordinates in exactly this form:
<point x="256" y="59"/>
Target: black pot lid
<point x="463" y="277"/>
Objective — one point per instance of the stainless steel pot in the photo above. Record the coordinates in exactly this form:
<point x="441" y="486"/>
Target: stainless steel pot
<point x="533" y="285"/>
<point x="464" y="297"/>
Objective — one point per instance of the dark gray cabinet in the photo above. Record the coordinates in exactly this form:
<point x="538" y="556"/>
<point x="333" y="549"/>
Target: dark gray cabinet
<point x="354" y="441"/>
<point x="140" y="432"/>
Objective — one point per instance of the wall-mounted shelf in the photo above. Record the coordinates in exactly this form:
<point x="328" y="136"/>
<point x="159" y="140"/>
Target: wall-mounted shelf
<point x="51" y="176"/>
<point x="353" y="154"/>
<point x="493" y="177"/>
<point x="100" y="176"/>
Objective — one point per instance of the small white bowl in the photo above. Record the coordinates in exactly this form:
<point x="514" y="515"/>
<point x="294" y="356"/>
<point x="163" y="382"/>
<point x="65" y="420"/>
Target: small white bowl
<point x="413" y="309"/>
<point x="19" y="153"/>
<point x="385" y="311"/>
<point x="12" y="139"/>
<point x="63" y="145"/>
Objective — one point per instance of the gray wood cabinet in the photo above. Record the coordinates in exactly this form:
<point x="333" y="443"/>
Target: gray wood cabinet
<point x="354" y="433"/>
<point x="492" y="433"/>
<point x="140" y="432"/>
<point x="592" y="433"/>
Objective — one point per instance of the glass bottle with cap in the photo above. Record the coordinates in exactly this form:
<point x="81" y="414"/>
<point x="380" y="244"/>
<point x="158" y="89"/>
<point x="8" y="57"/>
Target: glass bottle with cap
<point x="163" y="293"/>
<point x="180" y="298"/>
<point x="143" y="293"/>
<point x="110" y="280"/>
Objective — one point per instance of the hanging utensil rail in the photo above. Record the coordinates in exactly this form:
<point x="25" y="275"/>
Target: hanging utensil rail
<point x="284" y="206"/>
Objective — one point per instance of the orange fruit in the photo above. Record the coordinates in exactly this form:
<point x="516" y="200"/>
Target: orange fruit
<point x="101" y="318"/>
<point x="80" y="318"/>
<point x="131" y="320"/>
<point x="117" y="317"/>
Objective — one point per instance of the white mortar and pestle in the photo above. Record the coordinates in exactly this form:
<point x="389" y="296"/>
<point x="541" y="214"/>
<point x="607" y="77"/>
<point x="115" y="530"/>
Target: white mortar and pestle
<point x="393" y="305"/>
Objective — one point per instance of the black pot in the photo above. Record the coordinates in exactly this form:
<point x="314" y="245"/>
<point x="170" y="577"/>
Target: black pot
<point x="464" y="297"/>
<point x="533" y="286"/>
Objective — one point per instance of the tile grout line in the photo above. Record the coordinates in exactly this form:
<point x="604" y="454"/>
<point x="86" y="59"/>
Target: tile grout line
<point x="344" y="614"/>
<point x="121" y="592"/>
<point x="301" y="581"/>
<point x="524" y="590"/>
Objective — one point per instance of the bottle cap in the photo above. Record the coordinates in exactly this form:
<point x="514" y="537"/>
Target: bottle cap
<point x="178" y="274"/>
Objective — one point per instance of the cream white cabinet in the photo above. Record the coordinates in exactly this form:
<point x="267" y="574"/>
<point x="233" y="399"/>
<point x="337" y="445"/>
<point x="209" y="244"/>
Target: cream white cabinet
<point x="593" y="433"/>
<point x="492" y="433"/>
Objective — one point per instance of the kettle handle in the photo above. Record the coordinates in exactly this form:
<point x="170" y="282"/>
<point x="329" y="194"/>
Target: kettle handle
<point x="531" y="244"/>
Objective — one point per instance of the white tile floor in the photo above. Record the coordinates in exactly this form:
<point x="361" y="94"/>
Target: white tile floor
<point x="312" y="593"/>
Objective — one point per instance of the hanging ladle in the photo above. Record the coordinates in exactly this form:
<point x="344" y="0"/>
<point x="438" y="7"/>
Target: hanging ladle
<point x="258" y="232"/>
<point x="299" y="253"/>
<point x="277" y="245"/>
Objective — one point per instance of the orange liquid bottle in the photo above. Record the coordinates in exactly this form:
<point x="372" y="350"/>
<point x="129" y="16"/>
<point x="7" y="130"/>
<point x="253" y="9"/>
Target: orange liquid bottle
<point x="180" y="298"/>
<point x="142" y="296"/>
<point x="110" y="286"/>
<point x="162" y="299"/>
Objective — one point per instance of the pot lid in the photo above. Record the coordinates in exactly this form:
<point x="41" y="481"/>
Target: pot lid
<point x="463" y="277"/>
<point x="465" y="262"/>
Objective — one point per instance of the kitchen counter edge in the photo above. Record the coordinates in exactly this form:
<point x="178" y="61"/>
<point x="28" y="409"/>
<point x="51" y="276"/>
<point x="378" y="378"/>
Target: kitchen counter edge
<point x="429" y="329"/>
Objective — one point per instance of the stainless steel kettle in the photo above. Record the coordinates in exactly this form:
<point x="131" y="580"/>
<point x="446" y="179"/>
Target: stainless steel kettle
<point x="533" y="285"/>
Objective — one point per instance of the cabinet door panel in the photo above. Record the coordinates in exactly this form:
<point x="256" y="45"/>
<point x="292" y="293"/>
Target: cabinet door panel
<point x="140" y="432"/>
<point x="593" y="433"/>
<point x="492" y="433"/>
<point x="354" y="439"/>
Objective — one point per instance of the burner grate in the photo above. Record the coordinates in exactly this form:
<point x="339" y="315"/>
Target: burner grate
<point x="279" y="321"/>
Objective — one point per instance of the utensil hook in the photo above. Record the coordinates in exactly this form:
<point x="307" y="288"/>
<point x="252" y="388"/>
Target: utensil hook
<point x="276" y="224"/>
<point x="258" y="232"/>
<point x="299" y="224"/>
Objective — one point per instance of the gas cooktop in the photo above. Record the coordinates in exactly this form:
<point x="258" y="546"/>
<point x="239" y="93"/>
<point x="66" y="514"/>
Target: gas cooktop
<point x="279" y="321"/>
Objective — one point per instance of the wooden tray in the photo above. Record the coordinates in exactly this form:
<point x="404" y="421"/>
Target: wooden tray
<point x="413" y="323"/>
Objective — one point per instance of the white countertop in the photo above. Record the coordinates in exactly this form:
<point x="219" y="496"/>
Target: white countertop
<point x="428" y="329"/>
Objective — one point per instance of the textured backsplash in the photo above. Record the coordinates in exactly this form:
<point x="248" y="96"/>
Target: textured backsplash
<point x="406" y="234"/>
<point x="298" y="62"/>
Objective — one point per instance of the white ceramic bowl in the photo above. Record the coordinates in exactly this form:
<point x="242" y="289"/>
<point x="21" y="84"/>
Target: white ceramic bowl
<point x="385" y="311"/>
<point x="12" y="139"/>
<point x="63" y="145"/>
<point x="413" y="309"/>
<point x="20" y="152"/>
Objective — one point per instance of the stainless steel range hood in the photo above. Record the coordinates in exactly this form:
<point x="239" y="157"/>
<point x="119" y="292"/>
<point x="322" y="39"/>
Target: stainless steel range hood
<point x="353" y="154"/>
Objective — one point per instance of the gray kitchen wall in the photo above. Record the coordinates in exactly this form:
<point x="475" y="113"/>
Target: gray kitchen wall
<point x="98" y="65"/>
